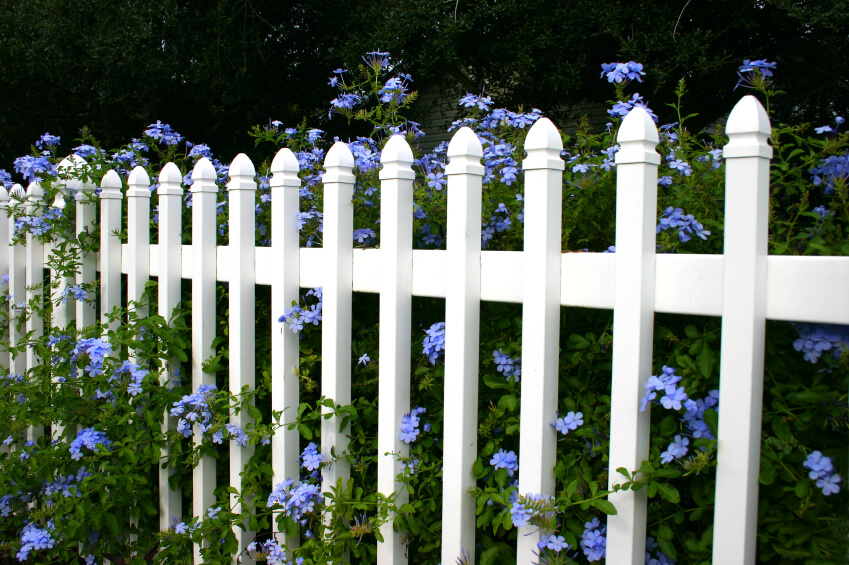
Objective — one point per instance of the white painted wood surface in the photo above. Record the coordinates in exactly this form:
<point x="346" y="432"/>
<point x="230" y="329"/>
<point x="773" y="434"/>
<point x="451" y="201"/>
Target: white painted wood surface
<point x="285" y="268"/>
<point x="396" y="271"/>
<point x="204" y="229"/>
<point x="138" y="238"/>
<point x="336" y="308"/>
<point x="110" y="246"/>
<point x="747" y="156"/>
<point x="17" y="285"/>
<point x="462" y="331"/>
<point x="34" y="294"/>
<point x="633" y="331"/>
<point x="170" y="193"/>
<point x="86" y="205"/>
<point x="242" y="323"/>
<point x="540" y="319"/>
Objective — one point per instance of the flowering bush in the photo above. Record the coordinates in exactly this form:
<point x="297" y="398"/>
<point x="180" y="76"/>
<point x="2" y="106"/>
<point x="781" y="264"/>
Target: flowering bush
<point x="84" y="429"/>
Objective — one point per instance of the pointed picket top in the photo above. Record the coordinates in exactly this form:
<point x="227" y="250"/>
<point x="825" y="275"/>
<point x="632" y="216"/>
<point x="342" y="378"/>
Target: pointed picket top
<point x="17" y="192"/>
<point x="544" y="146"/>
<point x="397" y="159"/>
<point x="69" y="164"/>
<point x="111" y="185"/>
<point x="748" y="130"/>
<point x="242" y="173"/>
<point x="284" y="169"/>
<point x="464" y="153"/>
<point x="34" y="191"/>
<point x="4" y="196"/>
<point x="204" y="176"/>
<point x="170" y="180"/>
<point x="638" y="138"/>
<point x="139" y="183"/>
<point x="339" y="164"/>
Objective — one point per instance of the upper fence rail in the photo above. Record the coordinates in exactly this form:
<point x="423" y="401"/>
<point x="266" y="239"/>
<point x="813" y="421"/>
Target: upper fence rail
<point x="744" y="285"/>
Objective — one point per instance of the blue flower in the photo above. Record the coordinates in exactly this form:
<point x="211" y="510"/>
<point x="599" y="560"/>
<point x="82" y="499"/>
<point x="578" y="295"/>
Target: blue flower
<point x="676" y="450"/>
<point x="163" y="133"/>
<point x="410" y="425"/>
<point x="364" y="360"/>
<point x="48" y="141"/>
<point x="433" y="344"/>
<point x="311" y="458"/>
<point x="751" y="71"/>
<point x="506" y="365"/>
<point x="622" y="72"/>
<point x="505" y="460"/>
<point x="593" y="542"/>
<point x="570" y="422"/>
<point x="88" y="438"/>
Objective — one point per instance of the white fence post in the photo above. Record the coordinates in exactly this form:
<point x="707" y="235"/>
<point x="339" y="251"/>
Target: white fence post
<point x="285" y="248"/>
<point x="87" y="272"/>
<point x="65" y="311"/>
<point x="204" y="275"/>
<point x="35" y="289"/>
<point x="336" y="310"/>
<point x="17" y="286"/>
<point x="110" y="245"/>
<point x="462" y="330"/>
<point x="747" y="157"/>
<point x="5" y="358"/>
<point x="242" y="221"/>
<point x="170" y="195"/>
<point x="540" y="319"/>
<point x="138" y="238"/>
<point x="396" y="255"/>
<point x="633" y="320"/>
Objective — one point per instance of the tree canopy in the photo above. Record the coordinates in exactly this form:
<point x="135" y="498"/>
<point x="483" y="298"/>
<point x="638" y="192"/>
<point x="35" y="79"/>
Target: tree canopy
<point x="213" y="69"/>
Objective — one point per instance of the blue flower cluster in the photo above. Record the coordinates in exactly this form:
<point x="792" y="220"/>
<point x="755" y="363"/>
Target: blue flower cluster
<point x="821" y="470"/>
<point x="76" y="291"/>
<point x="433" y="345"/>
<point x="622" y="72"/>
<point x="34" y="538"/>
<point x="130" y="374"/>
<point x="568" y="423"/>
<point x="296" y="317"/>
<point x="88" y="438"/>
<point x="410" y="425"/>
<point x="750" y="71"/>
<point x="831" y="172"/>
<point x="234" y="433"/>
<point x="675" y="398"/>
<point x="34" y="169"/>
<point x="194" y="409"/>
<point x="163" y="133"/>
<point x="499" y="221"/>
<point x="659" y="558"/>
<point x="593" y="540"/>
<point x="364" y="236"/>
<point x="505" y="460"/>
<point x="675" y="218"/>
<point x="64" y="484"/>
<point x="816" y="339"/>
<point x="311" y="458"/>
<point x="296" y="502"/>
<point x="507" y="366"/>
<point x="622" y="108"/>
<point x="529" y="506"/>
<point x="271" y="552"/>
<point x="96" y="350"/>
<point x="38" y="225"/>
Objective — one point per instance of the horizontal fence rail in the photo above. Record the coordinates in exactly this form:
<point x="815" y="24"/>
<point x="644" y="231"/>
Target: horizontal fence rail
<point x="744" y="286"/>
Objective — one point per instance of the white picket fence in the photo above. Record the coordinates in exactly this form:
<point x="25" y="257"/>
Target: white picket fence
<point x="745" y="286"/>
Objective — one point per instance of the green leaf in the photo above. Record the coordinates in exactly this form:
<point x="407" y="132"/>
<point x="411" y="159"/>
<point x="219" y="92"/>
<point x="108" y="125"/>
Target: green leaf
<point x="304" y="430"/>
<point x="477" y="469"/>
<point x="692" y="332"/>
<point x="667" y="547"/>
<point x="711" y="418"/>
<point x="605" y="506"/>
<point x="802" y="488"/>
<point x="668" y="492"/>
<point x="665" y="532"/>
<point x="255" y="413"/>
<point x="495" y="382"/>
<point x="705" y="360"/>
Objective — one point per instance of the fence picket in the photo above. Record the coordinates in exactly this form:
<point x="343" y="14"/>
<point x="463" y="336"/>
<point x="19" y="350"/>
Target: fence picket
<point x="633" y="319"/>
<point x="204" y="229"/>
<point x="86" y="314"/>
<point x="540" y="319"/>
<point x="5" y="358"/>
<point x="64" y="311"/>
<point x="462" y="330"/>
<point x="138" y="238"/>
<point x="242" y="196"/>
<point x="110" y="245"/>
<point x="285" y="186"/>
<point x="396" y="249"/>
<point x="17" y="286"/>
<point x="34" y="287"/>
<point x="170" y="195"/>
<point x="336" y="310"/>
<point x="745" y="251"/>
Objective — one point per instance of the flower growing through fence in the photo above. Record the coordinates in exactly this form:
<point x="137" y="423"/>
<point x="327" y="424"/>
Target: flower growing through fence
<point x="505" y="460"/>
<point x="311" y="459"/>
<point x="410" y="425"/>
<point x="295" y="502"/>
<point x="570" y="422"/>
<point x="507" y="366"/>
<point x="821" y="470"/>
<point x="34" y="538"/>
<point x="433" y="345"/>
<point x="816" y="339"/>
<point x="593" y="540"/>
<point x="90" y="439"/>
<point x="194" y="409"/>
